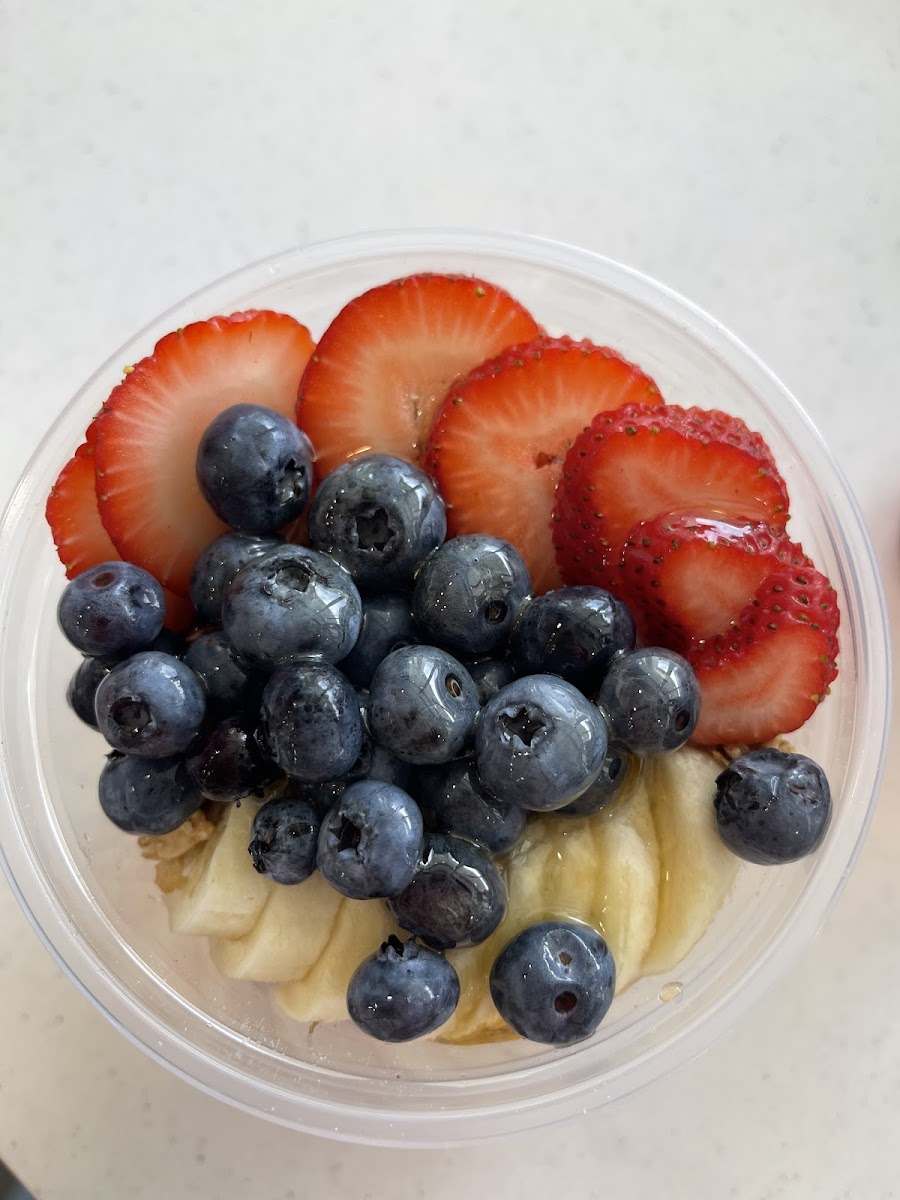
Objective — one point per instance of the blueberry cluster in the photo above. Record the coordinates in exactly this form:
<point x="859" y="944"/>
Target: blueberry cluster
<point x="402" y="699"/>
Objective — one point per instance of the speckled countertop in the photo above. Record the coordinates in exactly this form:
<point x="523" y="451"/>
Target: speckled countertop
<point x="746" y="154"/>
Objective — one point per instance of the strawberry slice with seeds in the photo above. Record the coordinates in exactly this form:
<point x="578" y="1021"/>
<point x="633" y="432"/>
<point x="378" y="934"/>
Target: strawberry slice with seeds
<point x="639" y="462"/>
<point x="385" y="362"/>
<point x="78" y="533"/>
<point x="498" y="444"/>
<point x="687" y="579"/>
<point x="768" y="675"/>
<point x="148" y="432"/>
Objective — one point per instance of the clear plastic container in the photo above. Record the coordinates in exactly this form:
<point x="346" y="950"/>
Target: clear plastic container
<point x="92" y="898"/>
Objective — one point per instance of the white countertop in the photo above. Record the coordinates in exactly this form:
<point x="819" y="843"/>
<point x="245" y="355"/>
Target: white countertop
<point x="746" y="154"/>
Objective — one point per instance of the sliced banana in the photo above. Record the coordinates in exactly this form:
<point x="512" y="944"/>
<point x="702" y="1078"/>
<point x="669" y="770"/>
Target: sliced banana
<point x="360" y="928"/>
<point x="650" y="872"/>
<point x="294" y="928"/>
<point x="223" y="894"/>
<point x="602" y="869"/>
<point x="476" y="1019"/>
<point x="697" y="871"/>
<point x="626" y="893"/>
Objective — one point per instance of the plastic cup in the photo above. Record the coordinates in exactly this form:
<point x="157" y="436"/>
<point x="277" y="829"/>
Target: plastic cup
<point x="92" y="898"/>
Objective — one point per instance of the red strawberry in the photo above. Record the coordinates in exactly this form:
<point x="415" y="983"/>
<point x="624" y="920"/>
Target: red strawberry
<point x="500" y="438"/>
<point x="639" y="462"/>
<point x="78" y="533"/>
<point x="387" y="359"/>
<point x="767" y="675"/>
<point x="149" y="429"/>
<point x="687" y="579"/>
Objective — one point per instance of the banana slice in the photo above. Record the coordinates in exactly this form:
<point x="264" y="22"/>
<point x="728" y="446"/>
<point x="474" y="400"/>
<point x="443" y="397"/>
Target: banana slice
<point x="476" y="1019"/>
<point x="626" y="895"/>
<point x="294" y="928"/>
<point x="223" y="894"/>
<point x="697" y="869"/>
<point x="602" y="869"/>
<point x="360" y="928"/>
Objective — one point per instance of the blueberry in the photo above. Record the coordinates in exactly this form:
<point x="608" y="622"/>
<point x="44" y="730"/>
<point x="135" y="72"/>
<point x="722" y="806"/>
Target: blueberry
<point x="539" y="743"/>
<point x="217" y="566"/>
<point x="254" y="468"/>
<point x="230" y="685"/>
<point x="310" y="722"/>
<point x="82" y="690"/>
<point x="554" y="982"/>
<point x="574" y="632"/>
<point x="453" y="800"/>
<point x="370" y="841"/>
<point x="151" y="705"/>
<point x="387" y="625"/>
<point x="148" y="796"/>
<point x="651" y="699"/>
<point x="167" y="642"/>
<point x="467" y="594"/>
<point x="455" y="898"/>
<point x="378" y="516"/>
<point x="490" y="675"/>
<point x="402" y="991"/>
<point x="112" y="609"/>
<point x="374" y="762"/>
<point x="422" y="705"/>
<point x="602" y="791"/>
<point x="228" y="763"/>
<point x="290" y="604"/>
<point x="283" y="839"/>
<point x="319" y="796"/>
<point x="772" y="806"/>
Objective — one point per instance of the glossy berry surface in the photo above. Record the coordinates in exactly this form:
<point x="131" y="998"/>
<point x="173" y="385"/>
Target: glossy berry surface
<point x="371" y="840"/>
<point x="467" y="594"/>
<point x="374" y="762"/>
<point x="283" y="839"/>
<point x="218" y="564"/>
<point x="453" y="800"/>
<point x="455" y="898"/>
<point x="82" y="689"/>
<point x="254" y="468"/>
<point x="651" y="699"/>
<point x="402" y="991"/>
<point x="490" y="675"/>
<point x="229" y="684"/>
<point x="539" y="743"/>
<point x="291" y="604"/>
<point x="772" y="806"/>
<point x="573" y="632"/>
<point x="422" y="705"/>
<point x="603" y="790"/>
<point x="310" y="722"/>
<point x="148" y="796"/>
<point x="151" y="705"/>
<point x="228" y="762"/>
<point x="554" y="982"/>
<point x="112" y="609"/>
<point x="387" y="625"/>
<point x="379" y="516"/>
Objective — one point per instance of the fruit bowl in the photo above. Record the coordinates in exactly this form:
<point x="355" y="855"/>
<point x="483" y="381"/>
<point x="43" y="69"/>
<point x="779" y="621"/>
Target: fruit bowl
<point x="93" y="900"/>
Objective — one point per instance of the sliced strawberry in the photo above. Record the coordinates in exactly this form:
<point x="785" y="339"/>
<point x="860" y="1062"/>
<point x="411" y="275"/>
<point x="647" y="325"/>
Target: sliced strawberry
<point x="149" y="429"/>
<point x="767" y="675"/>
<point x="78" y="533"/>
<point x="498" y="444"/>
<point x="687" y="579"/>
<point x="387" y="359"/>
<point x="639" y="462"/>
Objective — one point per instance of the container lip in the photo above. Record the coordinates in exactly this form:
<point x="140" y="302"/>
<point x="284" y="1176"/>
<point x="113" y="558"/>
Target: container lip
<point x="372" y="1123"/>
